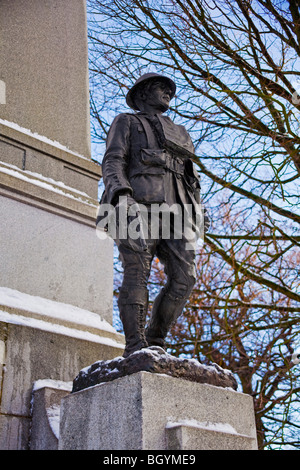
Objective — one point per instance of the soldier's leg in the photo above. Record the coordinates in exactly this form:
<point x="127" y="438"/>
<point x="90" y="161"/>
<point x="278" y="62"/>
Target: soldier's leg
<point x="179" y="266"/>
<point x="133" y="297"/>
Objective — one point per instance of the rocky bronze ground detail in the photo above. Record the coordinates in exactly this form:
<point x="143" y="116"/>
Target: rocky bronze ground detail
<point x="155" y="360"/>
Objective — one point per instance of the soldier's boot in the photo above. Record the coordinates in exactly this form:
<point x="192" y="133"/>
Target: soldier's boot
<point x="133" y="318"/>
<point x="165" y="312"/>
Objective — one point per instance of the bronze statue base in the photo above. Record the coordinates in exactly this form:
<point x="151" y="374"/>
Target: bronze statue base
<point x="155" y="360"/>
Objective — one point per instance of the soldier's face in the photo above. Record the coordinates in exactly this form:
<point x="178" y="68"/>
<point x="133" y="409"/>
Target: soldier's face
<point x="159" y="96"/>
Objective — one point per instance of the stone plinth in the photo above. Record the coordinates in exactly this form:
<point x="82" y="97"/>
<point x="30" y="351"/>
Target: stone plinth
<point x="45" y="413"/>
<point x="56" y="281"/>
<point x="149" y="411"/>
<point x="44" y="254"/>
<point x="48" y="182"/>
<point x="28" y="151"/>
<point x="43" y="339"/>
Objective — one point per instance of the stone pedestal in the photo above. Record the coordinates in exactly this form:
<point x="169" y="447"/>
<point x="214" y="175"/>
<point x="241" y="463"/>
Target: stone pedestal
<point x="43" y="339"/>
<point x="56" y="279"/>
<point x="148" y="411"/>
<point x="46" y="400"/>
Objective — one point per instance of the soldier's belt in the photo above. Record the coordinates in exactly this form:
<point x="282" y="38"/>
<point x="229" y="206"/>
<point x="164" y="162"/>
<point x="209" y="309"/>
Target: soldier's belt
<point x="161" y="158"/>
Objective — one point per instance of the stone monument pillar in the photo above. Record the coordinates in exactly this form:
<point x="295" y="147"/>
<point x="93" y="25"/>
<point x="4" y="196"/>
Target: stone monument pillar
<point x="43" y="63"/>
<point x="56" y="276"/>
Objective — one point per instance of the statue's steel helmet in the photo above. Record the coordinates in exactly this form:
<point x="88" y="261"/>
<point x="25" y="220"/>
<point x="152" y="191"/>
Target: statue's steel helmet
<point x="145" y="78"/>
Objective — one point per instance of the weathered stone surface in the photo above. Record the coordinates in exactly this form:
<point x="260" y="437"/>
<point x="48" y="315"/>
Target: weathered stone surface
<point x="142" y="411"/>
<point x="44" y="64"/>
<point x="54" y="264"/>
<point x="45" y="413"/>
<point x="42" y="158"/>
<point x="207" y="436"/>
<point x="153" y="359"/>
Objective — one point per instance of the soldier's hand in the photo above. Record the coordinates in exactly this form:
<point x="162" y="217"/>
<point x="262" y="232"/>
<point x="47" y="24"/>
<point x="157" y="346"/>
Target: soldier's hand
<point x="125" y="200"/>
<point x="128" y="213"/>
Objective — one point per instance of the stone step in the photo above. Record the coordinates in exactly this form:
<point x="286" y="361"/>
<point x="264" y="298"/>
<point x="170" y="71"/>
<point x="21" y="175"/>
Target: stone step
<point x="206" y="436"/>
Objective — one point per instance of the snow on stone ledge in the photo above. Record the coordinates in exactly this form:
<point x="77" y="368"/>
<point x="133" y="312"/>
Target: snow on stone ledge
<point x="47" y="183"/>
<point x="50" y="308"/>
<point x="53" y="415"/>
<point x="55" y="310"/>
<point x="207" y="425"/>
<point x="50" y="383"/>
<point x="42" y="138"/>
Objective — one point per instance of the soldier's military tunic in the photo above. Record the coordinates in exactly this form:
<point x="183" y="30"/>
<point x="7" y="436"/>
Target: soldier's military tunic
<point x="150" y="158"/>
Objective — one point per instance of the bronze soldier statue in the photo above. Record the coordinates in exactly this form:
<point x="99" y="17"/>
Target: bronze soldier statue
<point x="148" y="161"/>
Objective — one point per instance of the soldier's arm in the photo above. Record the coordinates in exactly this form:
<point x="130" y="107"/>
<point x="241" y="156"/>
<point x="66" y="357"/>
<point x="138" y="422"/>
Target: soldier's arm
<point x="114" y="166"/>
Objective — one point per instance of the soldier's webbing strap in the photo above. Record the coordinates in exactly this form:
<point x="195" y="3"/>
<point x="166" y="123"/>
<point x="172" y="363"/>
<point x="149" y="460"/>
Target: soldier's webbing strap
<point x="172" y="162"/>
<point x="152" y="138"/>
